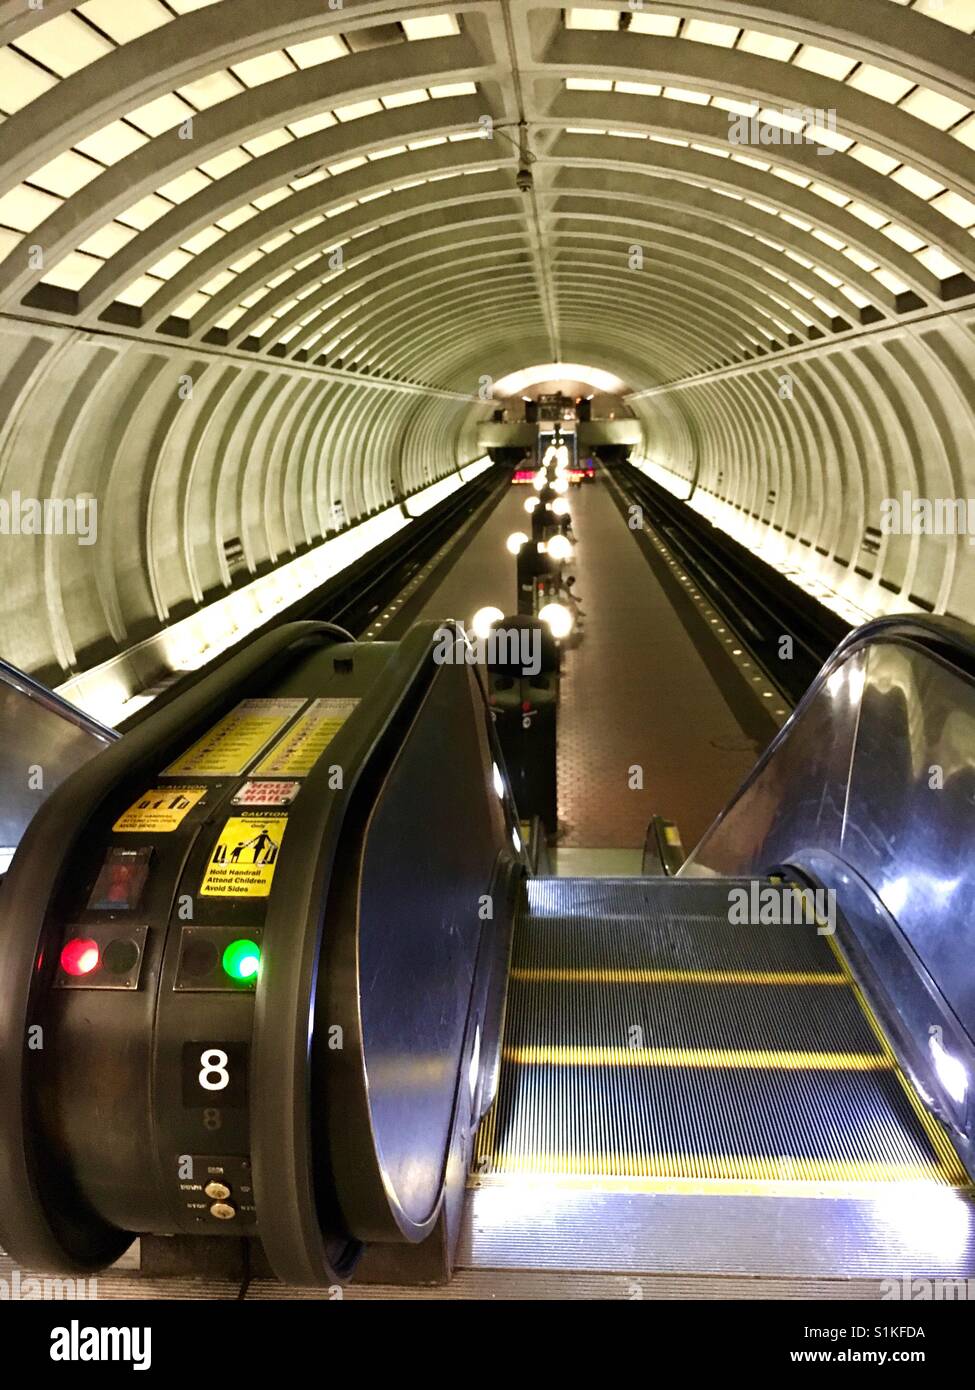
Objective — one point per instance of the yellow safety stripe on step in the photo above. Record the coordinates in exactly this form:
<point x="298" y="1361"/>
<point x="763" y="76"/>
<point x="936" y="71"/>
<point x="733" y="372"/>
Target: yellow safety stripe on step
<point x="662" y="1171"/>
<point x="951" y="1165"/>
<point x="765" y="1059"/>
<point x="600" y="976"/>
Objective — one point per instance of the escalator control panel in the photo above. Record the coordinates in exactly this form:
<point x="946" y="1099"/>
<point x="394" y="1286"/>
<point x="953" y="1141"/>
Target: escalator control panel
<point x="154" y="954"/>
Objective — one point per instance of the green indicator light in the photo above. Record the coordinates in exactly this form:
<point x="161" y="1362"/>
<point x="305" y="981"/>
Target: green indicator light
<point x="242" y="959"/>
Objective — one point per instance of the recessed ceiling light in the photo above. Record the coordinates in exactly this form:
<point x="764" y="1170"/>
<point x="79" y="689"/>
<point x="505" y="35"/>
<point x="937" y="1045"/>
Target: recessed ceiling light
<point x="432" y="26"/>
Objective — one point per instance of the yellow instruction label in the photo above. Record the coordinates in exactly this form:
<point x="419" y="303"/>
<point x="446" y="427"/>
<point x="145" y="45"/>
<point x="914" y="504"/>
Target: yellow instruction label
<point x="244" y="858"/>
<point x="299" y="750"/>
<point x="160" y="810"/>
<point x="230" y="746"/>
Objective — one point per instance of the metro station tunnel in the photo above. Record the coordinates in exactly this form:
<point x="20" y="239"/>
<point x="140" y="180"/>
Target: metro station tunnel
<point x="487" y="571"/>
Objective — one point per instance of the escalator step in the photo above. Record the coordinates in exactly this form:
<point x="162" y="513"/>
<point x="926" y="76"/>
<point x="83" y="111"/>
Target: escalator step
<point x="647" y="1037"/>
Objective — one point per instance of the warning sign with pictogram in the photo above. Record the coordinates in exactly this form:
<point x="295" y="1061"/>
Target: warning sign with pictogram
<point x="160" y="810"/>
<point x="244" y="858"/>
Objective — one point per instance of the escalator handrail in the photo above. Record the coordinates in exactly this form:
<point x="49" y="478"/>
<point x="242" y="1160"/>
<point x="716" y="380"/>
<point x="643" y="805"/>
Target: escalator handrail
<point x="281" y="1126"/>
<point x="57" y="704"/>
<point x="950" y="639"/>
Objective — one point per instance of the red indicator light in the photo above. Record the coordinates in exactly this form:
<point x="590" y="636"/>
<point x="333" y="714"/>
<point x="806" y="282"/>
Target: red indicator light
<point x="526" y="706"/>
<point x="80" y="956"/>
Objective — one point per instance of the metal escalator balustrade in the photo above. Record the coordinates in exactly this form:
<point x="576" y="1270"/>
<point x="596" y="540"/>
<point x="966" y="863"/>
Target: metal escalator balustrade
<point x="653" y="1044"/>
<point x="867" y="792"/>
<point x="41" y="730"/>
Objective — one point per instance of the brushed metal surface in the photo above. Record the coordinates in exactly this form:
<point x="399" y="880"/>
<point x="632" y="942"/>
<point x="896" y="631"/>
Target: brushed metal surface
<point x="576" y="1285"/>
<point x="467" y="1284"/>
<point x="889" y="1234"/>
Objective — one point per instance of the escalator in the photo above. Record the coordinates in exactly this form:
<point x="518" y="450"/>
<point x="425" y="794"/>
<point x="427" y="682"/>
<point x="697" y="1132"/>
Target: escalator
<point x="449" y="1062"/>
<point x="650" y="1040"/>
<point x="761" y="1068"/>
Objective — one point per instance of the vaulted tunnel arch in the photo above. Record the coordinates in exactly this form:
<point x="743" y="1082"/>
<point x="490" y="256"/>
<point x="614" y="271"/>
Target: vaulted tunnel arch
<point x="255" y="261"/>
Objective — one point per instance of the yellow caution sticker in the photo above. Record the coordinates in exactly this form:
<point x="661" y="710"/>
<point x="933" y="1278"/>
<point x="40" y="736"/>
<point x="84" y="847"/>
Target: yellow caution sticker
<point x="244" y="858"/>
<point x="299" y="750"/>
<point x="232" y="745"/>
<point x="160" y="810"/>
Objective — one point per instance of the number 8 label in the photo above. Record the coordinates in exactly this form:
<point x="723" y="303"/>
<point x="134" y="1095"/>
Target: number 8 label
<point x="213" y="1063"/>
